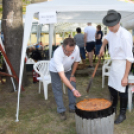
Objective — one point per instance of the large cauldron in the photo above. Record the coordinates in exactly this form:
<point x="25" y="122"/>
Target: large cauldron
<point x="95" y="122"/>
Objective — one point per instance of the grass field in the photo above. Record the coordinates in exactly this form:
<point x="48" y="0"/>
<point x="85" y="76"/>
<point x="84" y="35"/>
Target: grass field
<point x="38" y="116"/>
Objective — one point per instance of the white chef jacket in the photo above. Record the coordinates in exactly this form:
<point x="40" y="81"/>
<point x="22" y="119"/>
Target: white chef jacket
<point x="120" y="50"/>
<point x="120" y="44"/>
<point x="61" y="62"/>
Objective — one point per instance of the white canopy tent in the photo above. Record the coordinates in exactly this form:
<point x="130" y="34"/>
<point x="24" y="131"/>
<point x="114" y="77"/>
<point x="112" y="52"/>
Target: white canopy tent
<point x="71" y="11"/>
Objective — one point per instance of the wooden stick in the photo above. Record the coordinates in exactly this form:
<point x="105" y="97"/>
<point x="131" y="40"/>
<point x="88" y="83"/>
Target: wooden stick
<point x="5" y="74"/>
<point x="91" y="80"/>
<point x="96" y="67"/>
<point x="8" y="62"/>
<point x="130" y="83"/>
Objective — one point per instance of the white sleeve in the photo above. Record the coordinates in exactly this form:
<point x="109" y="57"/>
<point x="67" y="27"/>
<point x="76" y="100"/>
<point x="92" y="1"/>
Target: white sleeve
<point x="127" y="47"/>
<point x="78" y="58"/>
<point x="58" y="59"/>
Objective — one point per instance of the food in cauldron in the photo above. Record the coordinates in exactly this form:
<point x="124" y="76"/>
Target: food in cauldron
<point x="94" y="104"/>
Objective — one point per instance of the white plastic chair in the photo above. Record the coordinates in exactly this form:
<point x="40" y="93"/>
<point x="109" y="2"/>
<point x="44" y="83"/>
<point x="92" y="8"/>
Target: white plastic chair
<point x="130" y="91"/>
<point x="42" y="68"/>
<point x="105" y="70"/>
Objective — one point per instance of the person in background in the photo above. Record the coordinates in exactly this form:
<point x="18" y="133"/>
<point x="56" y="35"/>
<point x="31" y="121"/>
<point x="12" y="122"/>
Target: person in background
<point x="79" y="39"/>
<point x="39" y="46"/>
<point x="120" y="49"/>
<point x="61" y="70"/>
<point x="41" y="43"/>
<point x="98" y="38"/>
<point x="69" y="36"/>
<point x="106" y="48"/>
<point x="29" y="50"/>
<point x="89" y="40"/>
<point x="36" y="56"/>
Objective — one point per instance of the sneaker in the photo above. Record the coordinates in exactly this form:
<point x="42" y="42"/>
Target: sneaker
<point x="71" y="110"/>
<point x="62" y="116"/>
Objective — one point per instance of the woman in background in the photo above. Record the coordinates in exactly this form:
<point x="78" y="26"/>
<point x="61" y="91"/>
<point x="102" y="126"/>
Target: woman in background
<point x="98" y="38"/>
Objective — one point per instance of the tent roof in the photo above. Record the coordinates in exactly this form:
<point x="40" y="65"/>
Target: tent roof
<point x="83" y="10"/>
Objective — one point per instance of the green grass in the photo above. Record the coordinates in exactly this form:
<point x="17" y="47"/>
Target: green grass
<point x="2" y="112"/>
<point x="38" y="116"/>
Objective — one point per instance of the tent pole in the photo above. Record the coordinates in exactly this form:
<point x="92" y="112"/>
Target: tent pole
<point x="27" y="29"/>
<point x="41" y="32"/>
<point x="51" y="27"/>
<point x="38" y="33"/>
<point x="30" y="38"/>
<point x="54" y="36"/>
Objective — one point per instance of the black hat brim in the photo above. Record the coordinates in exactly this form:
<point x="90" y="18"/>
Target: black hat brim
<point x="111" y="23"/>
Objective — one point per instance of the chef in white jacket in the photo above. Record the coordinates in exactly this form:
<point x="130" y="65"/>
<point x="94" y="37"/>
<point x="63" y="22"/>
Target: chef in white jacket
<point x="120" y="49"/>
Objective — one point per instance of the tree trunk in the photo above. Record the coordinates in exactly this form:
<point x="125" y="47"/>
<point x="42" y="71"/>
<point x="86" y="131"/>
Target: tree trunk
<point x="12" y="27"/>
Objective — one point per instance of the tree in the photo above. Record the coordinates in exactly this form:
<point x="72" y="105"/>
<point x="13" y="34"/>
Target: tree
<point x="12" y="27"/>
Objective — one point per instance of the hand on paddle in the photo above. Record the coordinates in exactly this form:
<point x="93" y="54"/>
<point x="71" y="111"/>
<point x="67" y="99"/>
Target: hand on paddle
<point x="101" y="53"/>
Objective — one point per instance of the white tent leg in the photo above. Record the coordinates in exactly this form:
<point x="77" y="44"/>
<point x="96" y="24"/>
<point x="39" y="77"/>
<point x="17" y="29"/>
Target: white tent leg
<point x="30" y="38"/>
<point x="51" y="27"/>
<point x="27" y="29"/>
<point x="38" y="33"/>
<point x="17" y="110"/>
<point x="54" y="36"/>
<point x="41" y="32"/>
<point x="40" y="28"/>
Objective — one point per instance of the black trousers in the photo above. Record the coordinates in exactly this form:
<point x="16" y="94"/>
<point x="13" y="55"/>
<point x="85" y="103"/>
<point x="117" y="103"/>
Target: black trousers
<point x="123" y="98"/>
<point x="114" y="92"/>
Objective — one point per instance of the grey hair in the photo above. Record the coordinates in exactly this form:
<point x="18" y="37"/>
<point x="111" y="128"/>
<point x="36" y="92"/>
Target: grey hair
<point x="69" y="41"/>
<point x="89" y="23"/>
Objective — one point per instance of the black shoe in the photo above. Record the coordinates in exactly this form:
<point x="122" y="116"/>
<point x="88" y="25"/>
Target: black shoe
<point x="123" y="106"/>
<point x="62" y="116"/>
<point x="120" y="119"/>
<point x="71" y="110"/>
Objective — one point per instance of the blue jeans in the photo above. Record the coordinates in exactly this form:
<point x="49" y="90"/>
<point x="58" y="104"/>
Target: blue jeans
<point x="97" y="49"/>
<point x="82" y="52"/>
